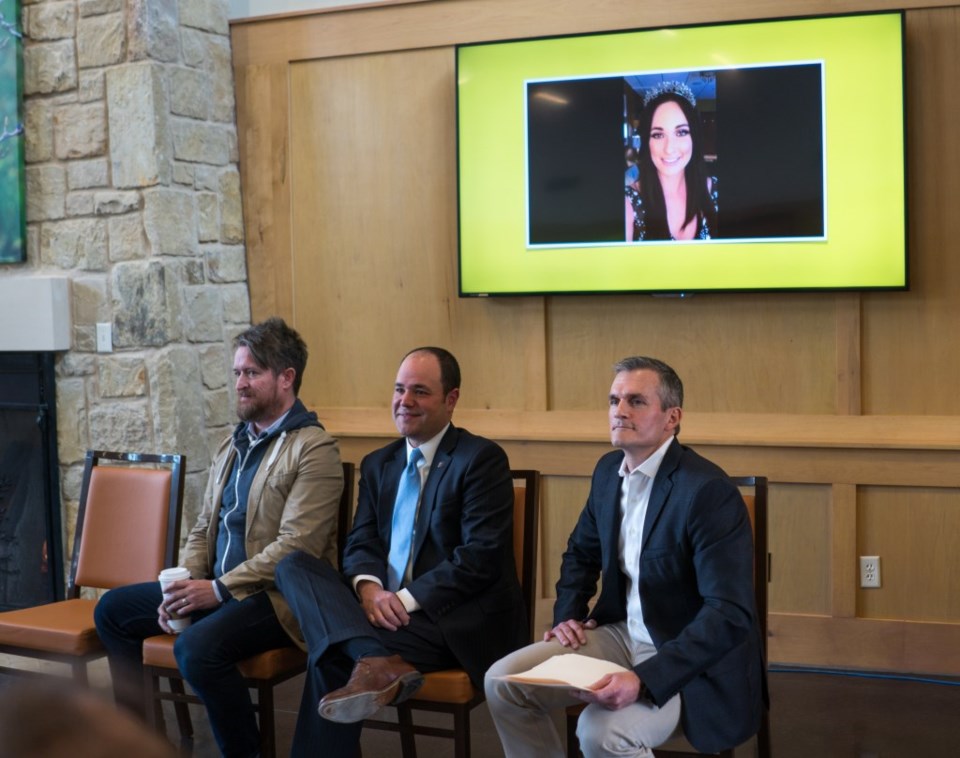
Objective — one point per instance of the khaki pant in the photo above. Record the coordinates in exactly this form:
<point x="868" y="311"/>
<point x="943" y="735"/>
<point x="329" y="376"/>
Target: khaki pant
<point x="522" y="712"/>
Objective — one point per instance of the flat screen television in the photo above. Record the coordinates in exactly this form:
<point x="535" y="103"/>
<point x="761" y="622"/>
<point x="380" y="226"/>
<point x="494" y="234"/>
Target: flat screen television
<point x="757" y="156"/>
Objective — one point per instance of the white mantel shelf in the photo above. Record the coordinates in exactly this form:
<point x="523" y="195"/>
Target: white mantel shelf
<point x="34" y="313"/>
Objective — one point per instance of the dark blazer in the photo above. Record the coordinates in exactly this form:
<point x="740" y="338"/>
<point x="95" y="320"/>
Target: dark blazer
<point x="464" y="573"/>
<point x="696" y="588"/>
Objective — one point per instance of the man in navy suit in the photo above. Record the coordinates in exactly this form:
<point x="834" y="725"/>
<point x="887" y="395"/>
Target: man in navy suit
<point x="453" y="601"/>
<point x="668" y="533"/>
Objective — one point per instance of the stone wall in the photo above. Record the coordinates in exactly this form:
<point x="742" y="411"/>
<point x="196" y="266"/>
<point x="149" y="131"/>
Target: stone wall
<point x="133" y="193"/>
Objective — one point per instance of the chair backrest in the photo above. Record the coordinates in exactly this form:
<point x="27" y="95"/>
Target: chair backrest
<point x="345" y="512"/>
<point x="128" y="522"/>
<point x="756" y="502"/>
<point x="526" y="506"/>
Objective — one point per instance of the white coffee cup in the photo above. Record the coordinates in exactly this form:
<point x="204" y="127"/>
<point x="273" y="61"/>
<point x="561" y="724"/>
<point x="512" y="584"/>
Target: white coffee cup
<point x="177" y="622"/>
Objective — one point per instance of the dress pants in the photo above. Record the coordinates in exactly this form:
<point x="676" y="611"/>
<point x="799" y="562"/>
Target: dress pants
<point x="522" y="712"/>
<point x="207" y="653"/>
<point x="333" y="623"/>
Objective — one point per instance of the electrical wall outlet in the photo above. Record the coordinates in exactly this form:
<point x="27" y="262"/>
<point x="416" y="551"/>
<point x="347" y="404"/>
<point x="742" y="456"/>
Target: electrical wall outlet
<point x="869" y="570"/>
<point x="104" y="337"/>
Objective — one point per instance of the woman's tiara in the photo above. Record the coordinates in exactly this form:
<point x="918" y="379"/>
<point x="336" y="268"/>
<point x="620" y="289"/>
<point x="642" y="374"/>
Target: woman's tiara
<point x="673" y="87"/>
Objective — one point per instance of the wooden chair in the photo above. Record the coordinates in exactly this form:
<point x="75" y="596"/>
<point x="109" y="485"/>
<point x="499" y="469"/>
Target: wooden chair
<point x="756" y="502"/>
<point x="262" y="672"/>
<point x="451" y="691"/>
<point x="128" y="529"/>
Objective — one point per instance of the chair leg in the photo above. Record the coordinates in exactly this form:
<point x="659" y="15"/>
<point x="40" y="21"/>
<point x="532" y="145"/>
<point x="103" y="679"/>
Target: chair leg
<point x="408" y="742"/>
<point x="80" y="673"/>
<point x="152" y="706"/>
<point x="181" y="709"/>
<point x="461" y="732"/>
<point x="573" y="744"/>
<point x="763" y="736"/>
<point x="268" y="747"/>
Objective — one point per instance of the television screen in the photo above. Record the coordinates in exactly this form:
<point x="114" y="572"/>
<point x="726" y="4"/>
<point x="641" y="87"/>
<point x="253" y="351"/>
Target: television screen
<point x="766" y="155"/>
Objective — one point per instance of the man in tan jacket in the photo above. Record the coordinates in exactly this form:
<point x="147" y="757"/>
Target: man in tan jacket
<point x="273" y="488"/>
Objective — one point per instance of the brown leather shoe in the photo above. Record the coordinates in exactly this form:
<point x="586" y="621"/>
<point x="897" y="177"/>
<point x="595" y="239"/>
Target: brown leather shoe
<point x="375" y="682"/>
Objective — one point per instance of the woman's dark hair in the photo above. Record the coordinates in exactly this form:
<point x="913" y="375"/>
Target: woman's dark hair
<point x="698" y="197"/>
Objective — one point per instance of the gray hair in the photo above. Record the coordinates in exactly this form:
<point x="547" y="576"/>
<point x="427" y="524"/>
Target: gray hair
<point x="670" y="391"/>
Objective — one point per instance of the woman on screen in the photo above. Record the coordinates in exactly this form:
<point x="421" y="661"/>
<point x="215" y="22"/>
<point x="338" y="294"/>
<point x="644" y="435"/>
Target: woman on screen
<point x="673" y="198"/>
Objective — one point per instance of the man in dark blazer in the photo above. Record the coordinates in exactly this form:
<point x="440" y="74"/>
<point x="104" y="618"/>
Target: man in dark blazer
<point x="454" y="600"/>
<point x="669" y="535"/>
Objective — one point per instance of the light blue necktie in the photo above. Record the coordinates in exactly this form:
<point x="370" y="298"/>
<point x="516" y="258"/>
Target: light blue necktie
<point x="404" y="513"/>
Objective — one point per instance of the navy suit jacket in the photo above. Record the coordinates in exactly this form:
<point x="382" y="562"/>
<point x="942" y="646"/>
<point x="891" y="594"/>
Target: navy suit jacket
<point x="696" y="590"/>
<point x="464" y="573"/>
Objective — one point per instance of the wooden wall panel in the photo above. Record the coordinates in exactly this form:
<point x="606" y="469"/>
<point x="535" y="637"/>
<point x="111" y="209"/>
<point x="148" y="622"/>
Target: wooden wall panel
<point x="916" y="533"/>
<point x="721" y="345"/>
<point x="263" y="99"/>
<point x="852" y="643"/>
<point x="374" y="236"/>
<point x="845" y="569"/>
<point x="799" y="545"/>
<point x="344" y="32"/>
<point x="909" y="348"/>
<point x="563" y="499"/>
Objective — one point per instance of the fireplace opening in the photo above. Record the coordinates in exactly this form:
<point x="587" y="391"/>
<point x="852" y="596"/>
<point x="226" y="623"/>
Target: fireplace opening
<point x="31" y="554"/>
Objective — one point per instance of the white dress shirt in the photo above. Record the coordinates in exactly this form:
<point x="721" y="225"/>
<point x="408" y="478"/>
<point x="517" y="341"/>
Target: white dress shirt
<point x="428" y="449"/>
<point x="634" y="498"/>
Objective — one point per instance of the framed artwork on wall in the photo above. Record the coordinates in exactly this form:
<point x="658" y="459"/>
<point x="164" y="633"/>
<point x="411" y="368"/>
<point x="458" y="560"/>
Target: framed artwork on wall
<point x="12" y="185"/>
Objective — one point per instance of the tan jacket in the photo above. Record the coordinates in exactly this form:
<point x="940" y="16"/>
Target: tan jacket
<point x="292" y="505"/>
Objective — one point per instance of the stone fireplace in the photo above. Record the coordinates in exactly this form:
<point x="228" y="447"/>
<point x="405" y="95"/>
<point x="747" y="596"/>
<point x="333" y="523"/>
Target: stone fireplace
<point x="133" y="198"/>
<point x="133" y="204"/>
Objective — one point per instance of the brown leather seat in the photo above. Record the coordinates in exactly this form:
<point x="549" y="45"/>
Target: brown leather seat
<point x="158" y="651"/>
<point x="65" y="628"/>
<point x="451" y="686"/>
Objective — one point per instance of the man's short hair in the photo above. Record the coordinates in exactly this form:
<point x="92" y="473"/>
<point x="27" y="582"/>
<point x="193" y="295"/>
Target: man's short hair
<point x="275" y="346"/>
<point x="449" y="368"/>
<point x="671" y="388"/>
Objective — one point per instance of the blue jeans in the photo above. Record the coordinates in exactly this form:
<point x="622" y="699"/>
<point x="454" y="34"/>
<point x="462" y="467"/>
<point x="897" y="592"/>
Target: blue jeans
<point x="207" y="653"/>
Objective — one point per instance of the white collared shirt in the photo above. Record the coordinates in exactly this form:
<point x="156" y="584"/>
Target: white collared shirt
<point x="429" y="450"/>
<point x="634" y="499"/>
